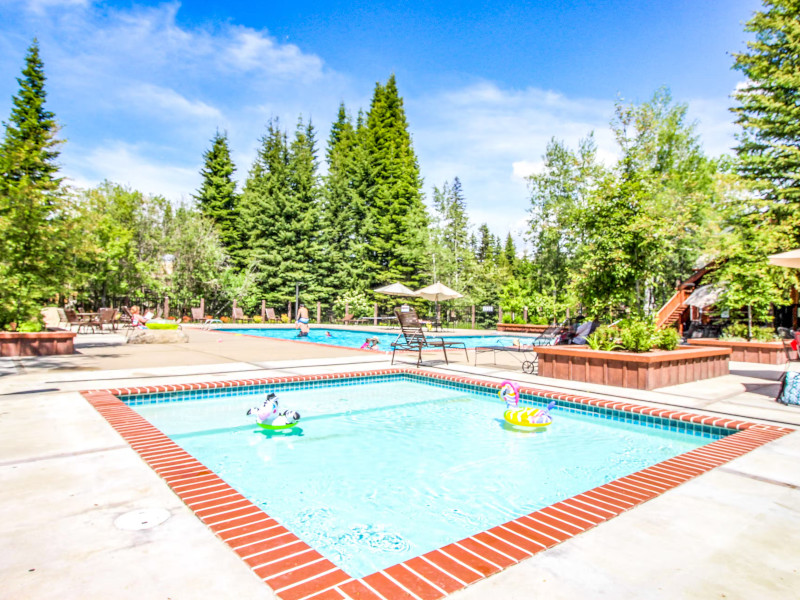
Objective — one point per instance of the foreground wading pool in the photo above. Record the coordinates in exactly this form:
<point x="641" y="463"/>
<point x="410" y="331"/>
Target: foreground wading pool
<point x="401" y="480"/>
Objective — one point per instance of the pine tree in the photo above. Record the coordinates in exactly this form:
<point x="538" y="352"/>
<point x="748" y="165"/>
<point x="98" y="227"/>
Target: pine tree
<point x="35" y="226"/>
<point x="281" y="215"/>
<point x="769" y="103"/>
<point x="217" y="196"/>
<point x="397" y="246"/>
<point x="345" y="223"/>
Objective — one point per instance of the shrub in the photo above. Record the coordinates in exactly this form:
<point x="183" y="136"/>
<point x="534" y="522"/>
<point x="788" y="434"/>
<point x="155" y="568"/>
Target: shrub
<point x="735" y="331"/>
<point x="604" y="338"/>
<point x="764" y="334"/>
<point x="636" y="335"/>
<point x="284" y="318"/>
<point x="507" y="318"/>
<point x="225" y="319"/>
<point x="162" y="325"/>
<point x="32" y="326"/>
<point x="667" y="338"/>
<point x="257" y="319"/>
<point x="186" y="318"/>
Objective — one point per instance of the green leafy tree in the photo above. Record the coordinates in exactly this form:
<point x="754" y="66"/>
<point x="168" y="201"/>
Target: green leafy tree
<point x="37" y="225"/>
<point x="217" y="197"/>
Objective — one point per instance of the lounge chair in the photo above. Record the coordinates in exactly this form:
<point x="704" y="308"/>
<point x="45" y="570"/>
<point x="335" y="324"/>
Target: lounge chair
<point x="107" y="316"/>
<point x="126" y="318"/>
<point x="271" y="317"/>
<point x="197" y="315"/>
<point x="239" y="316"/>
<point x="412" y="338"/>
<point x="348" y="319"/>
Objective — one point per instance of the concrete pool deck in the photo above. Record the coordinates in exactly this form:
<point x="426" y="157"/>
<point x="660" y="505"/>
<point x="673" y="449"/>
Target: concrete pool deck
<point x="67" y="478"/>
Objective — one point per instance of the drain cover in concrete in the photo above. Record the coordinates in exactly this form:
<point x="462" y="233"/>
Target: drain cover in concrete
<point x="144" y="518"/>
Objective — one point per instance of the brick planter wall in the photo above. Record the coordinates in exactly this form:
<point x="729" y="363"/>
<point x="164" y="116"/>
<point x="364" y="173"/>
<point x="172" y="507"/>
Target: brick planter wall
<point x="521" y="328"/>
<point x="645" y="371"/>
<point x="765" y="353"/>
<point x="44" y="343"/>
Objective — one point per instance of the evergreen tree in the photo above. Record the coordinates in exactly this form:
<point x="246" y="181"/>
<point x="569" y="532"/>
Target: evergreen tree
<point x="217" y="196"/>
<point x="35" y="222"/>
<point x="346" y="223"/>
<point x="397" y="245"/>
<point x="281" y="215"/>
<point x="483" y="252"/>
<point x="769" y="104"/>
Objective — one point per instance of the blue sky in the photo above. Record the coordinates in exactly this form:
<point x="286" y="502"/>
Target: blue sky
<point x="140" y="88"/>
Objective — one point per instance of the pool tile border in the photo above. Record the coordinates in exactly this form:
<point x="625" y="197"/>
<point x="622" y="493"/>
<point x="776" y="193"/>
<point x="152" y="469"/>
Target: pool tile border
<point x="295" y="571"/>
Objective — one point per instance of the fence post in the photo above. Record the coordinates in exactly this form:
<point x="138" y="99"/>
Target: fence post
<point x="346" y="308"/>
<point x="203" y="307"/>
<point x="289" y="310"/>
<point x="525" y="314"/>
<point x="233" y="311"/>
<point x="319" y="312"/>
<point x="375" y="316"/>
<point x="473" y="316"/>
<point x="263" y="311"/>
<point x="499" y="314"/>
<point x="166" y="307"/>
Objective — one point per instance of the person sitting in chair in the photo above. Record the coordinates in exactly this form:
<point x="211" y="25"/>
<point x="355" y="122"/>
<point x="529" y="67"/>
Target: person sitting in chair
<point x="138" y="320"/>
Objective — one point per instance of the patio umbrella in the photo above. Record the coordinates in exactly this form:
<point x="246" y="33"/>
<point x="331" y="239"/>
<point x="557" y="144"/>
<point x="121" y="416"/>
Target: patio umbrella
<point x="438" y="292"/>
<point x="786" y="259"/>
<point x="395" y="289"/>
<point x="705" y="295"/>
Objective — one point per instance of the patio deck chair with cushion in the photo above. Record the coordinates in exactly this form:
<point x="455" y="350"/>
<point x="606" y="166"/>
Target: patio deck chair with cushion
<point x="239" y="316"/>
<point x="412" y="338"/>
<point x="197" y="315"/>
<point x="348" y="319"/>
<point x="271" y="316"/>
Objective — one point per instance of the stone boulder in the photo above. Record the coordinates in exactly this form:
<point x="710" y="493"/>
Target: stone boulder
<point x="157" y="336"/>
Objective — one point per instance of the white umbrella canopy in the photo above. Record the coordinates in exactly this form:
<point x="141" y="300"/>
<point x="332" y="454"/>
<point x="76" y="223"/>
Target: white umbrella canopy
<point x="395" y="289"/>
<point x="438" y="292"/>
<point x="789" y="259"/>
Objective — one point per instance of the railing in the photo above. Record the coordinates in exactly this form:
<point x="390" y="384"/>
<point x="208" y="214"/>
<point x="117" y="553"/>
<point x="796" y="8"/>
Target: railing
<point x="671" y="306"/>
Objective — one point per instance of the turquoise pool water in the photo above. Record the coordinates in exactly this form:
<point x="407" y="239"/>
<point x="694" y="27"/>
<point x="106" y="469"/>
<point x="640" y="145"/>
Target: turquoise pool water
<point x="349" y="338"/>
<point x="378" y="473"/>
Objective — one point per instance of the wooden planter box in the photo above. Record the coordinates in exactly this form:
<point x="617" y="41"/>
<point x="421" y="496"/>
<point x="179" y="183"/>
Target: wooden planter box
<point x="646" y="371"/>
<point x="765" y="353"/>
<point x="44" y="343"/>
<point x="521" y="328"/>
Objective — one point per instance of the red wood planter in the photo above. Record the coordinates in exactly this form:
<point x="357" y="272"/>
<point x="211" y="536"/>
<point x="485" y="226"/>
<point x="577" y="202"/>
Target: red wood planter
<point x="44" y="343"/>
<point x="646" y="371"/>
<point x="765" y="353"/>
<point x="521" y="327"/>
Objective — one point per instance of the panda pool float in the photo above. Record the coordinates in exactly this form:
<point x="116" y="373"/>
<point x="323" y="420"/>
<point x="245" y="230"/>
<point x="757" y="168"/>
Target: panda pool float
<point x="269" y="416"/>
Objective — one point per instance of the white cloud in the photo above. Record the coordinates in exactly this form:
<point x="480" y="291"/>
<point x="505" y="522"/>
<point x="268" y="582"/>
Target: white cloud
<point x="168" y="103"/>
<point x="253" y="50"/>
<point x="133" y="166"/>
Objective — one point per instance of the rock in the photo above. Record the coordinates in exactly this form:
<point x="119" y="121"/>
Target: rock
<point x="157" y="336"/>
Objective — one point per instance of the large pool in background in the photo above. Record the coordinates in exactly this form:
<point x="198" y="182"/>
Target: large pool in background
<point x="377" y="473"/>
<point x="349" y="338"/>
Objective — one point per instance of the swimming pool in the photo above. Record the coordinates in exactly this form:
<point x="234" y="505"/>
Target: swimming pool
<point x="349" y="338"/>
<point x="295" y="569"/>
<point x="378" y="473"/>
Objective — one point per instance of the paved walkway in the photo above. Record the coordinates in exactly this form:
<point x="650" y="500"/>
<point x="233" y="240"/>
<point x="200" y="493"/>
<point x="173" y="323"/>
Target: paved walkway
<point x="77" y="504"/>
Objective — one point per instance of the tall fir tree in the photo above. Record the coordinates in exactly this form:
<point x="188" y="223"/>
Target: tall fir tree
<point x="397" y="246"/>
<point x="280" y="214"/>
<point x="345" y="221"/>
<point x="35" y="224"/>
<point x="217" y="197"/>
<point x="769" y="103"/>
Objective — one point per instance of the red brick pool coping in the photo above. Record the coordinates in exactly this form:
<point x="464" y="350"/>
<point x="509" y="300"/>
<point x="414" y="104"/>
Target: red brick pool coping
<point x="295" y="571"/>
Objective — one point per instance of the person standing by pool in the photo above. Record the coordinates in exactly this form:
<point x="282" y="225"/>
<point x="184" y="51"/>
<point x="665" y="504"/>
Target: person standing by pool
<point x="302" y="319"/>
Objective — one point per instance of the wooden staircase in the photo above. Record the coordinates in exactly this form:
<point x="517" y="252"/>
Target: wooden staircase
<point x="672" y="311"/>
